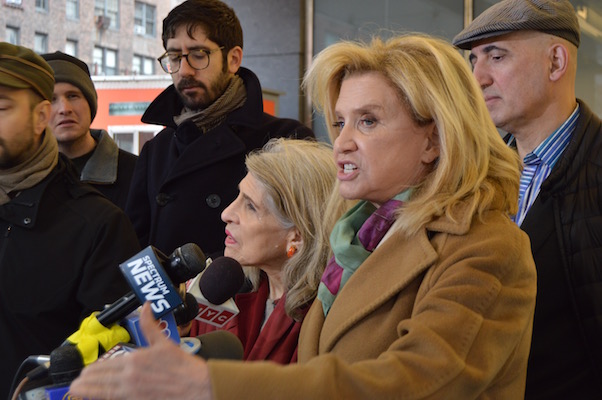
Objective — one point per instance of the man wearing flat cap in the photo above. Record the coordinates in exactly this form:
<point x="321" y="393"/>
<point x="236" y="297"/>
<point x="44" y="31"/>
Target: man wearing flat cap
<point x="96" y="157"/>
<point x="61" y="241"/>
<point x="524" y="56"/>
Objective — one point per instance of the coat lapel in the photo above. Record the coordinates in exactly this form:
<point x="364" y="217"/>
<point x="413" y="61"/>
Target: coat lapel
<point x="386" y="272"/>
<point x="538" y="224"/>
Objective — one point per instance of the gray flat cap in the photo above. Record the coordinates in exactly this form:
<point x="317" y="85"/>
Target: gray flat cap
<point x="555" y="17"/>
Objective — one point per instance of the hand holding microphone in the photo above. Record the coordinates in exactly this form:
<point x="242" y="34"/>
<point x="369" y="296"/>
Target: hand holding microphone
<point x="161" y="361"/>
<point x="146" y="274"/>
<point x="150" y="274"/>
<point x="221" y="280"/>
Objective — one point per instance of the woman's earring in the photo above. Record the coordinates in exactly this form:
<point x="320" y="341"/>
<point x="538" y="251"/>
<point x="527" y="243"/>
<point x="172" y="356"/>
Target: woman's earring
<point x="291" y="251"/>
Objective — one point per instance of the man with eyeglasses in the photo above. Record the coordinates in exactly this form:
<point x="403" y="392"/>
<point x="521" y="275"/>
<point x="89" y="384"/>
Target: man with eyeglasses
<point x="213" y="116"/>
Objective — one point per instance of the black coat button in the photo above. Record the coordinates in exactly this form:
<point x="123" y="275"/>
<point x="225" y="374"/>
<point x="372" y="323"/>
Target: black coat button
<point x="213" y="200"/>
<point x="162" y="199"/>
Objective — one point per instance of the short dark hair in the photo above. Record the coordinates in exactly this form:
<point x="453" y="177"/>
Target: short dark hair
<point x="218" y="20"/>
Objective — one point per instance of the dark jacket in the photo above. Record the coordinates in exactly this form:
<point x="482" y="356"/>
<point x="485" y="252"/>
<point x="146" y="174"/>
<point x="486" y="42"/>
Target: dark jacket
<point x="565" y="227"/>
<point x="277" y="341"/>
<point x="109" y="169"/>
<point x="184" y="179"/>
<point x="61" y="244"/>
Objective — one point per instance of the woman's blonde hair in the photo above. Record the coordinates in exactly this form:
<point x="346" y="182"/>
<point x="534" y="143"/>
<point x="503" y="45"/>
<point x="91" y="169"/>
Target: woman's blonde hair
<point x="298" y="176"/>
<point x="436" y="85"/>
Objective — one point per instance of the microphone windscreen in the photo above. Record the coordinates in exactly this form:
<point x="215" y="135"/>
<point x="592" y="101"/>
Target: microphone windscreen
<point x="186" y="262"/>
<point x="222" y="345"/>
<point x="187" y="311"/>
<point x="66" y="362"/>
<point x="222" y="280"/>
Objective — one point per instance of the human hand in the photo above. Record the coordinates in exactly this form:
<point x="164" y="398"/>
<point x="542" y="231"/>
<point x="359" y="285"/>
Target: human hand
<point x="160" y="371"/>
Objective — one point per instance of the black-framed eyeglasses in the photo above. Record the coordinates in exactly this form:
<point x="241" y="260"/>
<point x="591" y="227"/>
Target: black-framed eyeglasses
<point x="198" y="59"/>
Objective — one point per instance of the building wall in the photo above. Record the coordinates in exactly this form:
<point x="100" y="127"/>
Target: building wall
<point x="85" y="30"/>
<point x="274" y="48"/>
<point x="273" y="32"/>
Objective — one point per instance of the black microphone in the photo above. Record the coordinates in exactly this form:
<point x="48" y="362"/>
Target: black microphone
<point x="66" y="362"/>
<point x="184" y="263"/>
<point x="222" y="345"/>
<point x="186" y="312"/>
<point x="222" y="280"/>
<point x="56" y="372"/>
<point x="214" y="289"/>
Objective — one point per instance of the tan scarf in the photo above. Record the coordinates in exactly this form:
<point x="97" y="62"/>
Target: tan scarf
<point x="233" y="97"/>
<point x="30" y="172"/>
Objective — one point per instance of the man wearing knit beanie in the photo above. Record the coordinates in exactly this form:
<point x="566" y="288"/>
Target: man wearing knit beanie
<point x="524" y="56"/>
<point x="61" y="240"/>
<point x="96" y="157"/>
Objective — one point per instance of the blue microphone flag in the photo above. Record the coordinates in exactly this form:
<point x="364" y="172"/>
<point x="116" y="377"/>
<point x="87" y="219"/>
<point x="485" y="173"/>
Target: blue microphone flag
<point x="150" y="282"/>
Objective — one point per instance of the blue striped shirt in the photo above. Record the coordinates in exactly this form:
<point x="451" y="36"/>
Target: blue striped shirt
<point x="538" y="164"/>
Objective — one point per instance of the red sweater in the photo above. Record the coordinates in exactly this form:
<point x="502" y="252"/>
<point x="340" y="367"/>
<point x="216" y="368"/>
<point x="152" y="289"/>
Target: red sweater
<point x="278" y="339"/>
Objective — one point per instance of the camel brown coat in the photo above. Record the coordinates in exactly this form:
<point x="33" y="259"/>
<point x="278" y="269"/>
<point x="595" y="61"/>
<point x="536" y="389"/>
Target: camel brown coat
<point x="446" y="313"/>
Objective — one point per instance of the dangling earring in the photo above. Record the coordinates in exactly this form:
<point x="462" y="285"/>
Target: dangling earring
<point x="291" y="251"/>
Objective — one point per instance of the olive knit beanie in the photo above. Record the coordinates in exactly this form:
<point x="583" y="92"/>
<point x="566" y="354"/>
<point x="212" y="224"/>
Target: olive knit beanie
<point x="74" y="71"/>
<point x="22" y="68"/>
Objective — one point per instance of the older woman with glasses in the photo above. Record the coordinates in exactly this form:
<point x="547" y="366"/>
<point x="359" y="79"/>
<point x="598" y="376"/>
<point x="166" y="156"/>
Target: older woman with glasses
<point x="431" y="290"/>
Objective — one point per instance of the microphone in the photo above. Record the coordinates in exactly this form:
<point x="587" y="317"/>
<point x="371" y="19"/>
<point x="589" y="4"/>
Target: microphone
<point x="222" y="280"/>
<point x="167" y="323"/>
<point x="147" y="277"/>
<point x="214" y="289"/>
<point x="62" y="366"/>
<point x="186" y="312"/>
<point x="66" y="362"/>
<point x="184" y="263"/>
<point x="148" y="280"/>
<point x="222" y="345"/>
<point x="146" y="274"/>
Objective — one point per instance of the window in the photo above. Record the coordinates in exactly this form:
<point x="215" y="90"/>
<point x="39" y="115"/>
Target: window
<point x="109" y="10"/>
<point x="132" y="137"/>
<point x="40" y="43"/>
<point x="42" y="5"/>
<point x="361" y="19"/>
<point x="143" y="65"/>
<point x="125" y="141"/>
<point x="71" y="47"/>
<point x="12" y="35"/>
<point x="105" y="61"/>
<point x="144" y="19"/>
<point x="13" y="2"/>
<point x="72" y="9"/>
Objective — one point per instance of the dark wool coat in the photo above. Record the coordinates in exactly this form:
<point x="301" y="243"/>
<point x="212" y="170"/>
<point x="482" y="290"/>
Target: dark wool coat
<point x="109" y="169"/>
<point x="565" y="227"/>
<point x="60" y="250"/>
<point x="184" y="179"/>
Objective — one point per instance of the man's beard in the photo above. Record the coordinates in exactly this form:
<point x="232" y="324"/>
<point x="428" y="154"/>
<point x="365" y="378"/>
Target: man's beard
<point x="208" y="96"/>
<point x="25" y="149"/>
